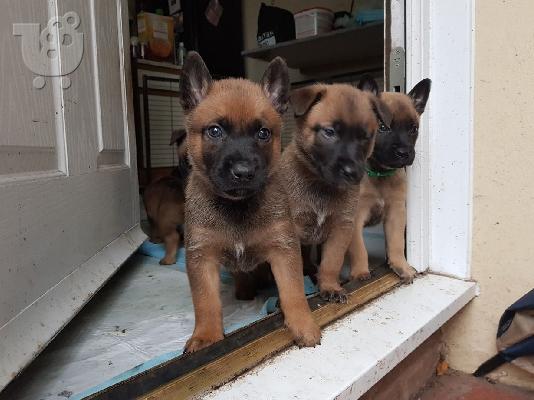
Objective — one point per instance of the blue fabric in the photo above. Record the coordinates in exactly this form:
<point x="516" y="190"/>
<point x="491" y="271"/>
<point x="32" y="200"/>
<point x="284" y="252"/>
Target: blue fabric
<point x="520" y="349"/>
<point x="524" y="303"/>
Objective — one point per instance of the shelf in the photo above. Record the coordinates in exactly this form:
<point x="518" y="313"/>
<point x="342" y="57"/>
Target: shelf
<point x="361" y="43"/>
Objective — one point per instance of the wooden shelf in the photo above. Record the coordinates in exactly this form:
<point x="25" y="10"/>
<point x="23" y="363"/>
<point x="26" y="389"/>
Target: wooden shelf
<point x="354" y="44"/>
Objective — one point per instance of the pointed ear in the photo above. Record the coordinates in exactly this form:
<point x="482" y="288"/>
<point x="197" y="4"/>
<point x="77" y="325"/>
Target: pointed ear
<point x="177" y="137"/>
<point x="275" y="84"/>
<point x="419" y="95"/>
<point x="303" y="99"/>
<point x="368" y="84"/>
<point x="381" y="111"/>
<point x="195" y="82"/>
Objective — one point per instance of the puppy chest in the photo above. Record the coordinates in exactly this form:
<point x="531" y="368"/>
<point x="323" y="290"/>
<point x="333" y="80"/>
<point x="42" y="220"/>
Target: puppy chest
<point x="239" y="257"/>
<point x="313" y="227"/>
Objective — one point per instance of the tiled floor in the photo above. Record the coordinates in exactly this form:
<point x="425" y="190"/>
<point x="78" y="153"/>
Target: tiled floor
<point x="456" y="386"/>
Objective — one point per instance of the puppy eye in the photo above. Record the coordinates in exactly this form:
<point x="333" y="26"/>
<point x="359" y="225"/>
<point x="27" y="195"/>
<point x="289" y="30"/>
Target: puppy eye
<point x="214" y="132"/>
<point x="382" y="128"/>
<point x="414" y="129"/>
<point x="329" y="133"/>
<point x="264" y="134"/>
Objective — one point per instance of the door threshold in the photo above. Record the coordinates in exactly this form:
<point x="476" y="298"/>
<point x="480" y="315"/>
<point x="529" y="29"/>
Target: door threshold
<point x="358" y="350"/>
<point x="355" y="353"/>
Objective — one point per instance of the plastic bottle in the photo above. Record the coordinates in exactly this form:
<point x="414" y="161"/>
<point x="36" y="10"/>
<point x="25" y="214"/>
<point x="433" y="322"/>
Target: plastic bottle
<point x="181" y="54"/>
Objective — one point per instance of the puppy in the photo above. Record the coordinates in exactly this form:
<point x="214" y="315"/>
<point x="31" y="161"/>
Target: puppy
<point x="322" y="169"/>
<point x="383" y="190"/>
<point x="236" y="211"/>
<point x="164" y="202"/>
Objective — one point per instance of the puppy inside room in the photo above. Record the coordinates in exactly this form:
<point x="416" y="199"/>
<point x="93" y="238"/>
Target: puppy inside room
<point x="255" y="138"/>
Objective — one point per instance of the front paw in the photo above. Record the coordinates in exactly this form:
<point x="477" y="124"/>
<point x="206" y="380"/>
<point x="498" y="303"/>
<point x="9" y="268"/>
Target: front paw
<point x="167" y="260"/>
<point x="306" y="332"/>
<point x="360" y="271"/>
<point x="198" y="342"/>
<point x="406" y="272"/>
<point x="333" y="294"/>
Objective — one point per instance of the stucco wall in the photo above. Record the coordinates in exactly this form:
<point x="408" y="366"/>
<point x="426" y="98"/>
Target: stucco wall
<point x="503" y="196"/>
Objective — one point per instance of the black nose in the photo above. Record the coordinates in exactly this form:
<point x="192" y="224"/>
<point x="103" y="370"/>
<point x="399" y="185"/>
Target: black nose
<point x="402" y="152"/>
<point x="242" y="171"/>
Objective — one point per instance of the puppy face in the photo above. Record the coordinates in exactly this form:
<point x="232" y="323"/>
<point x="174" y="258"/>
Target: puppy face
<point x="233" y="126"/>
<point x="395" y="146"/>
<point x="336" y="130"/>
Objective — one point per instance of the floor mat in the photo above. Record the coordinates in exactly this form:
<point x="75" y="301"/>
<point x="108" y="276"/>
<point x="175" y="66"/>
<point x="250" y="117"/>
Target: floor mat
<point x="142" y="317"/>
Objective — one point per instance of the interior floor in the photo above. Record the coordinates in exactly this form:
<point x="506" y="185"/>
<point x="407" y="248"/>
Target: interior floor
<point x="142" y="317"/>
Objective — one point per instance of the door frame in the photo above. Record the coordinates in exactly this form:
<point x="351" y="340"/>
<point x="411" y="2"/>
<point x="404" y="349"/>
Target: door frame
<point x="440" y="189"/>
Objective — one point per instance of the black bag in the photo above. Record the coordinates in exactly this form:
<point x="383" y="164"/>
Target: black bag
<point x="515" y="337"/>
<point x="275" y="25"/>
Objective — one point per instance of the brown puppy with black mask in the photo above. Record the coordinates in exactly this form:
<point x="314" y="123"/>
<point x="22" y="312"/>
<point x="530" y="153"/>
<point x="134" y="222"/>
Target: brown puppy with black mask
<point x="383" y="190"/>
<point x="236" y="210"/>
<point x="323" y="166"/>
<point x="164" y="202"/>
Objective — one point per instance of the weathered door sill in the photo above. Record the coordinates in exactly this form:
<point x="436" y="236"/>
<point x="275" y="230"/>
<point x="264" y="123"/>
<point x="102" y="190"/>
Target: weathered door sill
<point x="358" y="350"/>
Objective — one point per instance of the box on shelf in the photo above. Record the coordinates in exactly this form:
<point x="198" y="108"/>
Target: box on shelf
<point x="313" y="21"/>
<point x="156" y="33"/>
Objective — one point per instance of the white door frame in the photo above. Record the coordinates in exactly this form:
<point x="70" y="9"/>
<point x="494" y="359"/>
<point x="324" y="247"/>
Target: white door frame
<point x="440" y="45"/>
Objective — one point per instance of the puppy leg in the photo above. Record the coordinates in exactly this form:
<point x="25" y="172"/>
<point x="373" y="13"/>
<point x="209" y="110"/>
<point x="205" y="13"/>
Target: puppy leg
<point x="287" y="270"/>
<point x="359" y="259"/>
<point x="334" y="250"/>
<point x="394" y="227"/>
<point x="204" y="279"/>
<point x="172" y="242"/>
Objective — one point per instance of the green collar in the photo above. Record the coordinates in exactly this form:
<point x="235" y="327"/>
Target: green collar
<point x="380" y="174"/>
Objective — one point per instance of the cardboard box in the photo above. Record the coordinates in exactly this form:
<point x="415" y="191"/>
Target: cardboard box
<point x="156" y="33"/>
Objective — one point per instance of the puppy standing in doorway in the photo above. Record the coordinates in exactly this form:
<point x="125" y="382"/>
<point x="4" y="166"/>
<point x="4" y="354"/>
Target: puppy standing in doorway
<point x="236" y="210"/>
<point x="383" y="190"/>
<point x="322" y="169"/>
<point x="164" y="202"/>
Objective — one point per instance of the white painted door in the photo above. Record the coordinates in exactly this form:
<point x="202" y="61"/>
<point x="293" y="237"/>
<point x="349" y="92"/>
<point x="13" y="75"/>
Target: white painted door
<point x="68" y="183"/>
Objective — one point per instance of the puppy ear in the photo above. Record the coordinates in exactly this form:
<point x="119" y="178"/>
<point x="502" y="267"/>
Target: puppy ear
<point x="177" y="136"/>
<point x="275" y="84"/>
<point x="303" y="99"/>
<point x="381" y="111"/>
<point x="195" y="82"/>
<point x="368" y="84"/>
<point x="419" y="95"/>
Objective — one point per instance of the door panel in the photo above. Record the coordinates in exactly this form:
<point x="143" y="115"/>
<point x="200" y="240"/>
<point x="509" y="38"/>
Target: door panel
<point x="109" y="85"/>
<point x="68" y="193"/>
<point x="28" y="142"/>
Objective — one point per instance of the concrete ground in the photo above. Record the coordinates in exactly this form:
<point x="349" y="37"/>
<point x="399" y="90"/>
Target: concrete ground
<point x="458" y="386"/>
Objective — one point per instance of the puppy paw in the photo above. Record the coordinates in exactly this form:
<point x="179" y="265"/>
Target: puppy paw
<point x="167" y="261"/>
<point x="335" y="295"/>
<point x="361" y="276"/>
<point x="406" y="272"/>
<point x="306" y="333"/>
<point x="360" y="270"/>
<point x="197" y="342"/>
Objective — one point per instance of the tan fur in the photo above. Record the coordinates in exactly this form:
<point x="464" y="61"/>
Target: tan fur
<point x="164" y="203"/>
<point x="383" y="200"/>
<point x="324" y="215"/>
<point x="264" y="232"/>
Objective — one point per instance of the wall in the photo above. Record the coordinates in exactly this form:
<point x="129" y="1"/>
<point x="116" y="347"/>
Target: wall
<point x="503" y="197"/>
<point x="255" y="68"/>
